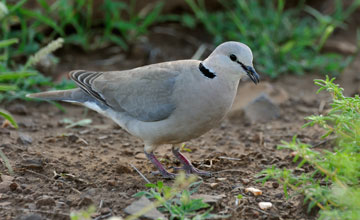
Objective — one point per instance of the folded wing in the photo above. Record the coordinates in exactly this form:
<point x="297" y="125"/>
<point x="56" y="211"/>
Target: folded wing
<point x="144" y="93"/>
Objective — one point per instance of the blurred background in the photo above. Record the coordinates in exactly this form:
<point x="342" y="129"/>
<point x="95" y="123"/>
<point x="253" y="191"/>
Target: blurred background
<point x="293" y="43"/>
<point x="287" y="38"/>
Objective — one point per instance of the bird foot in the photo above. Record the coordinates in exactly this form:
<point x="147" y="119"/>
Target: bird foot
<point x="193" y="170"/>
<point x="165" y="175"/>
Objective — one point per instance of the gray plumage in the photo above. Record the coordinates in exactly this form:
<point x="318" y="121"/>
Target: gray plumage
<point x="165" y="103"/>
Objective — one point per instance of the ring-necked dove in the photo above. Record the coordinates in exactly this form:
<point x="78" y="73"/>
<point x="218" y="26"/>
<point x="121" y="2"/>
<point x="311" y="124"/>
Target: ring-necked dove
<point x="165" y="103"/>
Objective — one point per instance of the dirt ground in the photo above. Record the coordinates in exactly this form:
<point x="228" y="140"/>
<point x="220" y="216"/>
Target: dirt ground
<point x="62" y="170"/>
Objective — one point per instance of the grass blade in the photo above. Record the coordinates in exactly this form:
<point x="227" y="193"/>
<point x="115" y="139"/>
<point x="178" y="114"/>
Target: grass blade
<point x="16" y="75"/>
<point x="5" y="88"/>
<point x="8" y="42"/>
<point x="8" y="117"/>
<point x="6" y="162"/>
<point x="42" y="19"/>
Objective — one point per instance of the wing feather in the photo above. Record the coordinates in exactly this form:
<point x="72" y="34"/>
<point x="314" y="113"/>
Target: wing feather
<point x="144" y="92"/>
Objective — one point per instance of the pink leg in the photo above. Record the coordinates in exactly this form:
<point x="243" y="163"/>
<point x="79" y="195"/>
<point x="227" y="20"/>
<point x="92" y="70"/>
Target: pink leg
<point x="187" y="166"/>
<point x="159" y="166"/>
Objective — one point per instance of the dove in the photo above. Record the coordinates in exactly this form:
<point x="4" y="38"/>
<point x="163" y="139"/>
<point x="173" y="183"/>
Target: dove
<point x="165" y="103"/>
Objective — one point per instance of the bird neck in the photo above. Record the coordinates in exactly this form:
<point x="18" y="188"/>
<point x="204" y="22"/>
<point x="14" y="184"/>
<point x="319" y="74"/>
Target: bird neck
<point x="206" y="71"/>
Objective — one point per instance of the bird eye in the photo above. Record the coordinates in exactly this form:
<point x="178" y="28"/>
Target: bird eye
<point x="233" y="57"/>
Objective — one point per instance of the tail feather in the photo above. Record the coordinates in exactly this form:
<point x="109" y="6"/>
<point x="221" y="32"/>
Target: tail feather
<point x="71" y="95"/>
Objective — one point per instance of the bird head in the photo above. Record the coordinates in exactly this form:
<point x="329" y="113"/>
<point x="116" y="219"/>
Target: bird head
<point x="232" y="58"/>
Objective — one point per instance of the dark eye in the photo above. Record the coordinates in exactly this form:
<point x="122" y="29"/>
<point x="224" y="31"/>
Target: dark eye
<point x="233" y="57"/>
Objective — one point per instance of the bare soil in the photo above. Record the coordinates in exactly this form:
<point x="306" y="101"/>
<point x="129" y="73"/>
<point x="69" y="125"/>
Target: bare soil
<point x="62" y="170"/>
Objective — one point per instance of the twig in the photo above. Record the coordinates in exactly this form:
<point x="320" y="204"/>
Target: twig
<point x="229" y="158"/>
<point x="229" y="170"/>
<point x="51" y="180"/>
<point x="259" y="210"/>
<point x="106" y="216"/>
<point x="142" y="175"/>
<point x="322" y="142"/>
<point x="101" y="204"/>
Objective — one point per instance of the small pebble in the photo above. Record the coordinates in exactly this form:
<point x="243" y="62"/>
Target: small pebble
<point x="254" y="191"/>
<point x="265" y="205"/>
<point x="24" y="139"/>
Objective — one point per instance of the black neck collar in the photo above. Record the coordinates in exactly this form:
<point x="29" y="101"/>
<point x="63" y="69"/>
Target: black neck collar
<point x="206" y="72"/>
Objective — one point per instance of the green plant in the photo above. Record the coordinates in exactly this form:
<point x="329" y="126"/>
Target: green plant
<point x="75" y="22"/>
<point x="16" y="80"/>
<point x="132" y="28"/>
<point x="177" y="201"/>
<point x="333" y="183"/>
<point x="283" y="41"/>
<point x="83" y="215"/>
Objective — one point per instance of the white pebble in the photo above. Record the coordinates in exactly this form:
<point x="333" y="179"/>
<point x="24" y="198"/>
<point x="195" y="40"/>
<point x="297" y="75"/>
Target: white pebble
<point x="265" y="205"/>
<point x="256" y="192"/>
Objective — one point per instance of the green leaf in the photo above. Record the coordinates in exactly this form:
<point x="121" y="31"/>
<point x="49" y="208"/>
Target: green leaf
<point x="8" y="42"/>
<point x="8" y="117"/>
<point x="6" y="88"/>
<point x="139" y="194"/>
<point x="150" y="185"/>
<point x="16" y="75"/>
<point x="43" y="19"/>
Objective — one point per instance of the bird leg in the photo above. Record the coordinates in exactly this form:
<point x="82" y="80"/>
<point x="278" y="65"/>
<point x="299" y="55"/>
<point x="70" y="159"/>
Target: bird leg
<point x="159" y="166"/>
<point x="187" y="166"/>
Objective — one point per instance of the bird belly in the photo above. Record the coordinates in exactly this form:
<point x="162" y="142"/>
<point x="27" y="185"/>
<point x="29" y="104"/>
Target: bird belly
<point x="190" y="120"/>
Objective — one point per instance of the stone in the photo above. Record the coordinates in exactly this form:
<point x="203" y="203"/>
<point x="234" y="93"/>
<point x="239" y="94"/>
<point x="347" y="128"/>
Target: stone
<point x="243" y="98"/>
<point x="265" y="205"/>
<point x="211" y="199"/>
<point x="139" y="205"/>
<point x="18" y="109"/>
<point x="5" y="186"/>
<point x="45" y="201"/>
<point x="73" y="138"/>
<point x="24" y="139"/>
<point x="85" y="201"/>
<point x="262" y="109"/>
<point x="34" y="164"/>
<point x="13" y="186"/>
<point x="31" y="217"/>
<point x="6" y="178"/>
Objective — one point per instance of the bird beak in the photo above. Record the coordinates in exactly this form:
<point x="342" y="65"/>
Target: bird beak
<point x="252" y="74"/>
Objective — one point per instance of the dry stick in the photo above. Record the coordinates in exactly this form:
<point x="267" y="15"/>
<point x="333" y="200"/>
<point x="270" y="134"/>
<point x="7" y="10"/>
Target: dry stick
<point x="259" y="210"/>
<point x="229" y="170"/>
<point x="142" y="175"/>
<point x="322" y="142"/>
<point x="51" y="180"/>
<point x="229" y="158"/>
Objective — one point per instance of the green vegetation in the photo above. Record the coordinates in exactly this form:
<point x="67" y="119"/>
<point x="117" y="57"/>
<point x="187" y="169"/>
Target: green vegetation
<point x="24" y="31"/>
<point x="283" y="41"/>
<point x="75" y="21"/>
<point x="16" y="83"/>
<point x="177" y="201"/>
<point x="84" y="214"/>
<point x="333" y="185"/>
